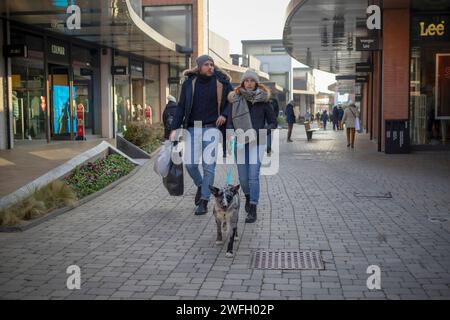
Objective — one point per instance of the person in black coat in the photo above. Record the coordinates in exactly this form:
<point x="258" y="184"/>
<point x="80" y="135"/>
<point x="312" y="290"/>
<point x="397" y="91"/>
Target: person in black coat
<point x="340" y="116"/>
<point x="335" y="118"/>
<point x="290" y="118"/>
<point x="252" y="98"/>
<point x="168" y="115"/>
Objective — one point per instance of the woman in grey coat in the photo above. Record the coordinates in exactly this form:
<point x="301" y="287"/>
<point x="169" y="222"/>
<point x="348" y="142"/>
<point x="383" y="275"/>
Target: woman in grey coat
<point x="349" y="119"/>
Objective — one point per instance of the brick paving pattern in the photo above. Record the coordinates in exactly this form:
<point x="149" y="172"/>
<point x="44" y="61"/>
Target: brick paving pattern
<point x="136" y="242"/>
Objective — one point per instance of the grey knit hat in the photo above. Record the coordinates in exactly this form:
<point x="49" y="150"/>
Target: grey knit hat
<point x="202" y="59"/>
<point x="250" y="74"/>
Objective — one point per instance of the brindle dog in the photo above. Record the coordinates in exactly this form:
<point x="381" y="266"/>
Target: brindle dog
<point x="226" y="212"/>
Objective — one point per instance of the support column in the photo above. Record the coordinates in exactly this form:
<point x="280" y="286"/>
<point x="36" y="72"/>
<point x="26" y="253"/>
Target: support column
<point x="3" y="96"/>
<point x="164" y="89"/>
<point x="106" y="94"/>
<point x="6" y="131"/>
<point x="396" y="34"/>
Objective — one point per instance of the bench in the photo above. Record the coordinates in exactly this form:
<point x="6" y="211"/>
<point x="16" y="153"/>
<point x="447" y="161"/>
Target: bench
<point x="309" y="131"/>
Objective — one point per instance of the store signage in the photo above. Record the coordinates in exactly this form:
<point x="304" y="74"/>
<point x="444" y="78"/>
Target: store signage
<point x="374" y="20"/>
<point x="431" y="28"/>
<point x="371" y="43"/>
<point x="58" y="50"/>
<point x="119" y="70"/>
<point x="16" y="51"/>
<point x="362" y="79"/>
<point x="363" y="67"/>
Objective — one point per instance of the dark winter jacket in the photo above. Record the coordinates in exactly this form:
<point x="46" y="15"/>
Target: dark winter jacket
<point x="341" y="114"/>
<point x="184" y="110"/>
<point x="325" y="116"/>
<point x="168" y="116"/>
<point x="290" y="115"/>
<point x="335" y="114"/>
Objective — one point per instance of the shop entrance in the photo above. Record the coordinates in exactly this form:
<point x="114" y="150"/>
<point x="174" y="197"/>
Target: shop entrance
<point x="62" y="123"/>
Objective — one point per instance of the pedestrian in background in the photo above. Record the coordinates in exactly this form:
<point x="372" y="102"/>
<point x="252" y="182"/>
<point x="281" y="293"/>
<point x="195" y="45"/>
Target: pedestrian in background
<point x="290" y="118"/>
<point x="349" y="120"/>
<point x="340" y="116"/>
<point x="335" y="118"/>
<point x="168" y="115"/>
<point x="325" y="119"/>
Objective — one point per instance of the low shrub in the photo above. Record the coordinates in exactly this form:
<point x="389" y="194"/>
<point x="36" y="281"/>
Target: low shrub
<point x="145" y="136"/>
<point x="94" y="176"/>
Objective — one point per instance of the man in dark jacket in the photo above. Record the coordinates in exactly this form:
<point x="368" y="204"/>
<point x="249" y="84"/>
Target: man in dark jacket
<point x="203" y="99"/>
<point x="290" y="118"/>
<point x="335" y="118"/>
<point x="340" y="116"/>
<point x="324" y="119"/>
<point x="168" y="115"/>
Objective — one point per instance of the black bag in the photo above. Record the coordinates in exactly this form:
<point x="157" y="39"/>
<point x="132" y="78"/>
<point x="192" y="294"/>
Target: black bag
<point x="174" y="182"/>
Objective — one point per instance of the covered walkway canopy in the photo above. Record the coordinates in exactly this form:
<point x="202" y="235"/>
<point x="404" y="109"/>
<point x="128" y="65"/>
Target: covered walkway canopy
<point x="321" y="33"/>
<point x="109" y="23"/>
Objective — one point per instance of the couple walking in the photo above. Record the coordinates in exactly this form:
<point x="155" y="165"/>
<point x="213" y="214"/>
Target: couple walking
<point x="207" y="96"/>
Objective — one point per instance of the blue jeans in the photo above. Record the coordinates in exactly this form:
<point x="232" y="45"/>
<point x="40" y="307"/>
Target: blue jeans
<point x="249" y="171"/>
<point x="194" y="153"/>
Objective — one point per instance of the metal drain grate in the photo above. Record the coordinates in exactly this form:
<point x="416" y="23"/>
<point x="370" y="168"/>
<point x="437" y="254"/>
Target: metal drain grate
<point x="380" y="195"/>
<point x="287" y="260"/>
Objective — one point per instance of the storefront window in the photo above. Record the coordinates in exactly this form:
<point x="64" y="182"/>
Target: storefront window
<point x="430" y="83"/>
<point x="173" y="22"/>
<point x="27" y="89"/>
<point x="152" y="96"/>
<point x="122" y="99"/>
<point x="137" y="78"/>
<point x="84" y="63"/>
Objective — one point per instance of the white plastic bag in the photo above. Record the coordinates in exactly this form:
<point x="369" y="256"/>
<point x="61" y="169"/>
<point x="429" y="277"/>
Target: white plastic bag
<point x="357" y="125"/>
<point x="162" y="162"/>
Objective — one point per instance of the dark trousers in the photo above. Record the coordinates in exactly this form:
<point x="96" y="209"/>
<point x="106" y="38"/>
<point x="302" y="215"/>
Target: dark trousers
<point x="290" y="127"/>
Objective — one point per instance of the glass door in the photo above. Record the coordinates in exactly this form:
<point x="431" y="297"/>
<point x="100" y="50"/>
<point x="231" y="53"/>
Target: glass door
<point x="27" y="90"/>
<point x="62" y="123"/>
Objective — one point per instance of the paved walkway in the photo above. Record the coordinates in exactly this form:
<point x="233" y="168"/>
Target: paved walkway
<point x="137" y="242"/>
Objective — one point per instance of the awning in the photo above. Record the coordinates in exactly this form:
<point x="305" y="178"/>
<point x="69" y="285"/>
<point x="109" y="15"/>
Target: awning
<point x="321" y="33"/>
<point x="109" y="23"/>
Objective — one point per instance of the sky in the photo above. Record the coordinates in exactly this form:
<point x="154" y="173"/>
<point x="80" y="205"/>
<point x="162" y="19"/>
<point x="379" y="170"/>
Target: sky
<point x="238" y="20"/>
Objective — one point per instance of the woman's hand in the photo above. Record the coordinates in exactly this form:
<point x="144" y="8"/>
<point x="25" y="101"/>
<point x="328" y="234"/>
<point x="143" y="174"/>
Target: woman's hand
<point x="221" y="121"/>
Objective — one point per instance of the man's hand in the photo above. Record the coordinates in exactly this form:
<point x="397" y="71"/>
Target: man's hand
<point x="172" y="135"/>
<point x="221" y="121"/>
